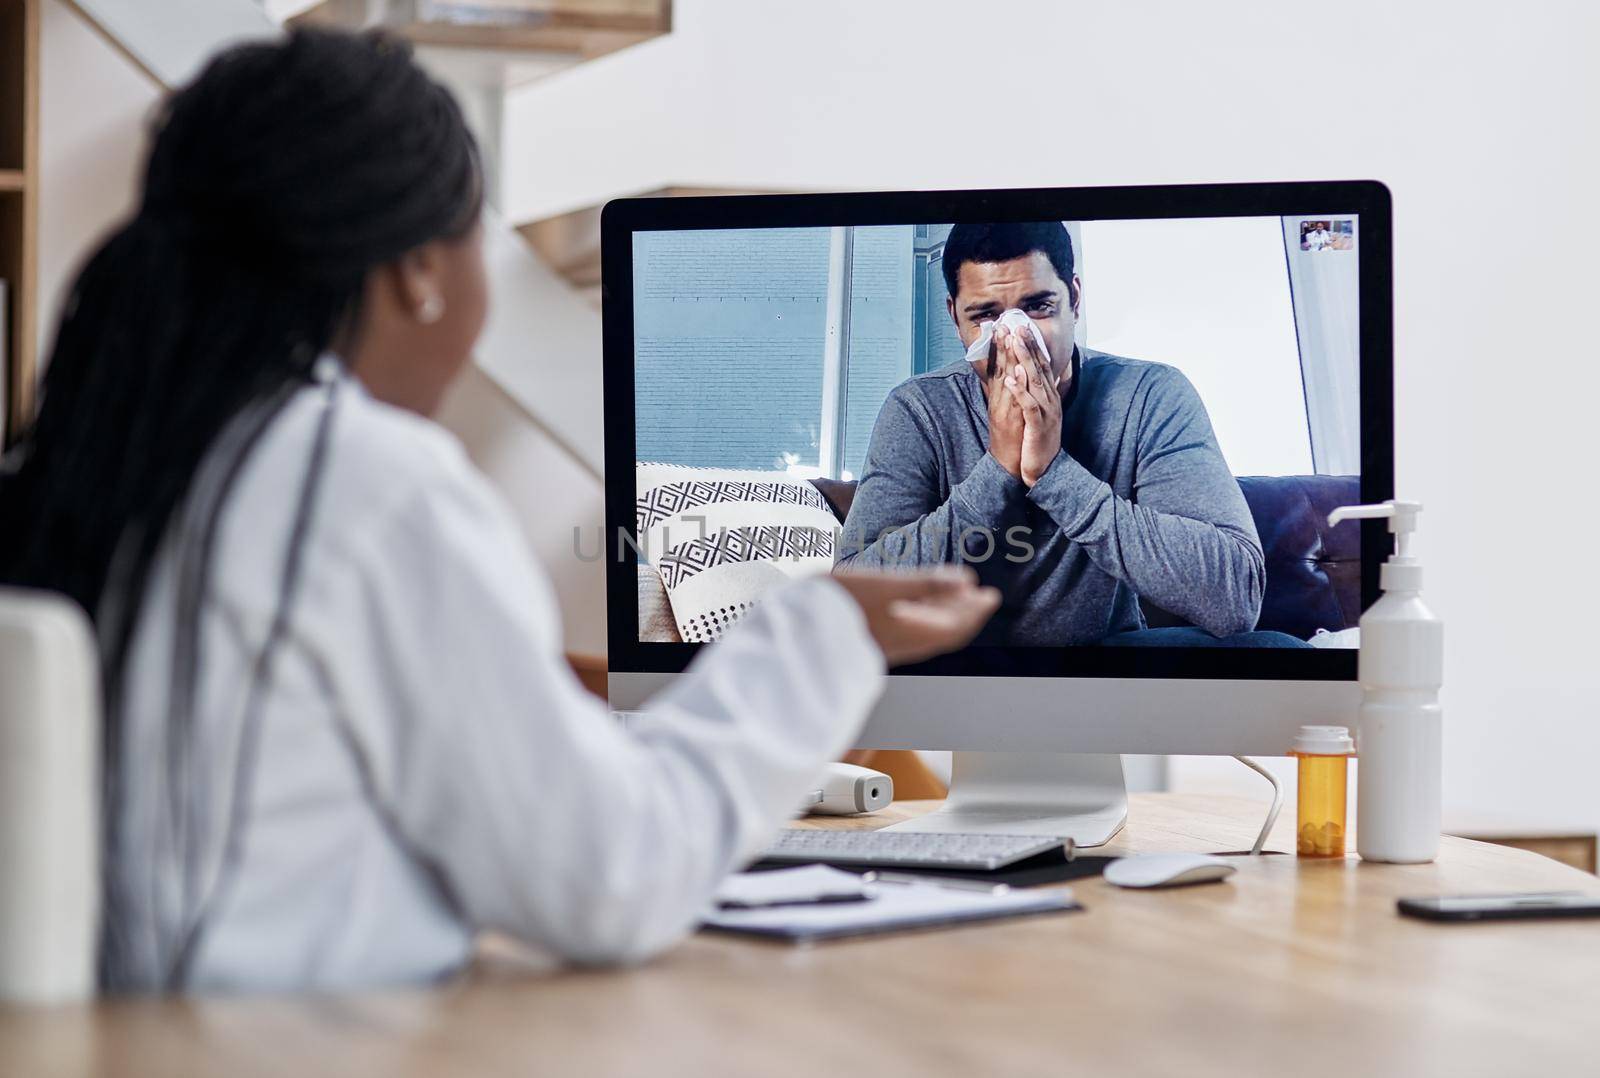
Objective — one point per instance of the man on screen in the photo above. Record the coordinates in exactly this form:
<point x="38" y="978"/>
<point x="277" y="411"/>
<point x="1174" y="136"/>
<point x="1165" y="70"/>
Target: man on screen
<point x="1076" y="482"/>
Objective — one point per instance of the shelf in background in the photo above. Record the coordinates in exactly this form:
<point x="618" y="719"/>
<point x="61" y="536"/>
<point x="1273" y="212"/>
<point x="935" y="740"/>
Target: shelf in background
<point x="19" y="198"/>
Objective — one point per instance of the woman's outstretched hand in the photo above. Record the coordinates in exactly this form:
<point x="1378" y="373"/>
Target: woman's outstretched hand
<point x="917" y="614"/>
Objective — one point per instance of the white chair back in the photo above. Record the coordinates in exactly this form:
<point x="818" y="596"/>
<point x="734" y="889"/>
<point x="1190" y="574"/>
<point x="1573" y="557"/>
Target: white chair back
<point x="49" y="799"/>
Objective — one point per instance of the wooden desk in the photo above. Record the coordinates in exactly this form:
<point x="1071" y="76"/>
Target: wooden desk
<point x="1295" y="967"/>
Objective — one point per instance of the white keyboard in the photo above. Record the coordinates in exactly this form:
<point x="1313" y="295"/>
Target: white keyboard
<point x="908" y="848"/>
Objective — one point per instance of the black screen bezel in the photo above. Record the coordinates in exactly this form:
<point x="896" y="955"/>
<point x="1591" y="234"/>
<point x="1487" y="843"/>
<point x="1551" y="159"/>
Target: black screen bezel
<point x="1368" y="199"/>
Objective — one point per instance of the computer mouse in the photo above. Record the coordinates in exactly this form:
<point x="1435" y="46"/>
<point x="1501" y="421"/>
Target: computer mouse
<point x="1167" y="869"/>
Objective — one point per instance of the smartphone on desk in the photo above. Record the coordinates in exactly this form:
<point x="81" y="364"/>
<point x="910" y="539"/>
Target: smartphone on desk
<point x="1502" y="907"/>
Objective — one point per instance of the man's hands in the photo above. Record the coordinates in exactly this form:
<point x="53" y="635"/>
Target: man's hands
<point x="1033" y="386"/>
<point x="1024" y="398"/>
<point x="917" y="615"/>
<point x="1005" y="414"/>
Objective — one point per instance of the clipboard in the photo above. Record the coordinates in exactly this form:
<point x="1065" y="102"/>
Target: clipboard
<point x="901" y="907"/>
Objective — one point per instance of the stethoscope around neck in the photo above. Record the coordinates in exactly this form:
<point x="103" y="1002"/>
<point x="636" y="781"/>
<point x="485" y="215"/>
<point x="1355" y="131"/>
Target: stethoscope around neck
<point x="326" y="372"/>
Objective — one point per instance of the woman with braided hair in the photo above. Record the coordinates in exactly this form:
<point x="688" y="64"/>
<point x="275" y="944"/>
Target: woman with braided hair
<point x="340" y="737"/>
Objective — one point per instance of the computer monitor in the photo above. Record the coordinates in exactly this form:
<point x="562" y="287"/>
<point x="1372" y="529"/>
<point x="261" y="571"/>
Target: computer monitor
<point x="800" y="384"/>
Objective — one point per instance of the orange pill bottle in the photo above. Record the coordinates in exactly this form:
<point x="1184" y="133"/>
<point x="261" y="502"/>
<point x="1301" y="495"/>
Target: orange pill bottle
<point x="1324" y="753"/>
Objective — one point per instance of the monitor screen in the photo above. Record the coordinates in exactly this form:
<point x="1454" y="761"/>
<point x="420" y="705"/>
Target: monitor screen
<point x="1133" y="427"/>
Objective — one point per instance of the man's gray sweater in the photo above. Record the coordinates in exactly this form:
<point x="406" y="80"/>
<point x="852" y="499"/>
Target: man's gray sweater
<point x="1139" y="502"/>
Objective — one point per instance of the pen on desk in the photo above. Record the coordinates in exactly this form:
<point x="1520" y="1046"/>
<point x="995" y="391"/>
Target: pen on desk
<point x="818" y="900"/>
<point x="937" y="881"/>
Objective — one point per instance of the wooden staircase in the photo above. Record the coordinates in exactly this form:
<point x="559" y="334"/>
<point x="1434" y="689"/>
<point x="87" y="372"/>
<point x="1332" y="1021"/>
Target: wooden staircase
<point x="583" y="29"/>
<point x="569" y="243"/>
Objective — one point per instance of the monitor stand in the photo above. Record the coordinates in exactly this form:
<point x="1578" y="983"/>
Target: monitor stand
<point x="1064" y="795"/>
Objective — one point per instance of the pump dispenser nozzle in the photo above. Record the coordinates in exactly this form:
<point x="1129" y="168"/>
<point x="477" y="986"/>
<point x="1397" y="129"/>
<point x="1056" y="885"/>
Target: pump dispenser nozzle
<point x="1401" y="571"/>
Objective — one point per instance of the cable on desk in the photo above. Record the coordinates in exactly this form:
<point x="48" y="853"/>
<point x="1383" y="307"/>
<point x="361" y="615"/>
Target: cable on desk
<point x="1277" y="802"/>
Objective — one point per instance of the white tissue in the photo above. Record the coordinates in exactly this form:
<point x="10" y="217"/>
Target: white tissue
<point x="1015" y="319"/>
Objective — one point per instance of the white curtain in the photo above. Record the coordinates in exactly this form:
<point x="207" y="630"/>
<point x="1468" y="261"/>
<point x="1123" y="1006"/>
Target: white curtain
<point x="1324" y="285"/>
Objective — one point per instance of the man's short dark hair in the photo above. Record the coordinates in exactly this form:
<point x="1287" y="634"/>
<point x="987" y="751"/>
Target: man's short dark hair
<point x="1004" y="242"/>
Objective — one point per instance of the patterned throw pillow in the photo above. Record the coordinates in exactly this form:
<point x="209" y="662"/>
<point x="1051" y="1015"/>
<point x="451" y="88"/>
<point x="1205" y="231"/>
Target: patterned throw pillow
<point x="720" y="538"/>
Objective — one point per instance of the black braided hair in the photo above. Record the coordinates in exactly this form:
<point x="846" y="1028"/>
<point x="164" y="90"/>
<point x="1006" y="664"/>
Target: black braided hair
<point x="276" y="182"/>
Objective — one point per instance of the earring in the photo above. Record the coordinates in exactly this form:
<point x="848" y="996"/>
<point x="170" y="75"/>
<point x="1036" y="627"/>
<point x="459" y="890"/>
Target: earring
<point x="431" y="310"/>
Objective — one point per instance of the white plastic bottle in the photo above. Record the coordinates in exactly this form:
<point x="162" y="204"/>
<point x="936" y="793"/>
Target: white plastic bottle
<point x="1398" y="740"/>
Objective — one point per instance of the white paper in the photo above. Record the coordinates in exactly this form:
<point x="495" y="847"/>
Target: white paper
<point x="786" y="886"/>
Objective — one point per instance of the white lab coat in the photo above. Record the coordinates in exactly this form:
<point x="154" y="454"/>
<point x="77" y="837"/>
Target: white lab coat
<point x="428" y="765"/>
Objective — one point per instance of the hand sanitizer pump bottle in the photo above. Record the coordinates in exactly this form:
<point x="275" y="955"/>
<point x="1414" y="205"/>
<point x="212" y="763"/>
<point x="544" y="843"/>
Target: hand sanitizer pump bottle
<point x="1398" y="740"/>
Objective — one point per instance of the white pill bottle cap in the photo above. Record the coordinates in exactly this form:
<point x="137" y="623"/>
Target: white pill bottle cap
<point x="1324" y="741"/>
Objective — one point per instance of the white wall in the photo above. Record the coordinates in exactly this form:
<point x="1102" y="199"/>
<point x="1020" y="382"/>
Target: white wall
<point x="550" y="494"/>
<point x="93" y="107"/>
<point x="1475" y="114"/>
<point x="174" y="38"/>
<point x="284" y="10"/>
<point x="1478" y="115"/>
